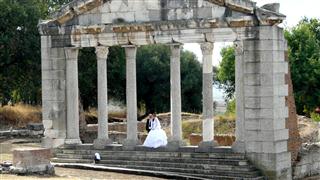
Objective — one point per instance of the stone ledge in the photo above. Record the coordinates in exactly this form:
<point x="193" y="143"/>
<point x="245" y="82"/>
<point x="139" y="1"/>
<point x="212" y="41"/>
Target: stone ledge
<point x="168" y="175"/>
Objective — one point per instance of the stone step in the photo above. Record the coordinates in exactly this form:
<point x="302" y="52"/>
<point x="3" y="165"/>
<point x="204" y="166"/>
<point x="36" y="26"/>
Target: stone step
<point x="195" y="172"/>
<point x="172" y="167"/>
<point x="119" y="147"/>
<point x="235" y="162"/>
<point x="156" y="154"/>
<point x="178" y="164"/>
<point x="163" y="174"/>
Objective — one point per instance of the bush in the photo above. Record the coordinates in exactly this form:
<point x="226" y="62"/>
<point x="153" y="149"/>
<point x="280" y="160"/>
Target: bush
<point x="315" y="116"/>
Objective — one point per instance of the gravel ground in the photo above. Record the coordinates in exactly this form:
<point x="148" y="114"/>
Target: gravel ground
<point x="77" y="174"/>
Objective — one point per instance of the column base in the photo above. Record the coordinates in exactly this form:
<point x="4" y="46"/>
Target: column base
<point x="101" y="143"/>
<point x="174" y="145"/>
<point x="239" y="147"/>
<point x="207" y="146"/>
<point x="130" y="144"/>
<point x="72" y="141"/>
<point x="47" y="142"/>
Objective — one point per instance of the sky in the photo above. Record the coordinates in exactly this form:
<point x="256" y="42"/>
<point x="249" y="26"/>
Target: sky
<point x="295" y="10"/>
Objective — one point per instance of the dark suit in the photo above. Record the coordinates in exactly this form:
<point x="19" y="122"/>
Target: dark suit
<point x="148" y="125"/>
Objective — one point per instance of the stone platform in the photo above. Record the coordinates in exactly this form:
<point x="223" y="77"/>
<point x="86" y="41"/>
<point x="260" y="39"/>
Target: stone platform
<point x="186" y="163"/>
<point x="32" y="161"/>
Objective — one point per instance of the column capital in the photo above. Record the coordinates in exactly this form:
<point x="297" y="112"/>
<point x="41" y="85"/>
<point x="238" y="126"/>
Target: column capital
<point x="238" y="47"/>
<point x="207" y="48"/>
<point x="131" y="51"/>
<point x="102" y="52"/>
<point x="175" y="49"/>
<point x="71" y="53"/>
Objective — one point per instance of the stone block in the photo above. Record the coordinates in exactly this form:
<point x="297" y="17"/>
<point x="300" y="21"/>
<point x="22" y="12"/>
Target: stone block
<point x="204" y="12"/>
<point x="273" y="124"/>
<point x="265" y="91"/>
<point x="263" y="45"/>
<point x="264" y="79"/>
<point x="266" y="68"/>
<point x="32" y="161"/>
<point x="58" y="64"/>
<point x="270" y="33"/>
<point x="47" y="124"/>
<point x="253" y="147"/>
<point x="264" y="56"/>
<point x="141" y="16"/>
<point x="53" y="75"/>
<point x="5" y="148"/>
<point x="51" y="133"/>
<point x="154" y="15"/>
<point x="35" y="126"/>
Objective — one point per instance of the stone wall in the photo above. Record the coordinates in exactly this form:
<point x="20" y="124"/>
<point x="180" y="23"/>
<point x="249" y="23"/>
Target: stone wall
<point x="308" y="162"/>
<point x="222" y="140"/>
<point x="294" y="141"/>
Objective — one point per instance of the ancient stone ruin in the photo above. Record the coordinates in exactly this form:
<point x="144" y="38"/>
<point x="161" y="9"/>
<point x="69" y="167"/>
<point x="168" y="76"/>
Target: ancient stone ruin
<point x="261" y="90"/>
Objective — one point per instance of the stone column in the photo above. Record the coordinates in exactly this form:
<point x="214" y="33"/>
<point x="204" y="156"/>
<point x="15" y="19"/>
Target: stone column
<point x="265" y="110"/>
<point x="72" y="96"/>
<point x="131" y="96"/>
<point x="239" y="145"/>
<point x="53" y="67"/>
<point x="207" y="97"/>
<point x="175" y="93"/>
<point x="103" y="137"/>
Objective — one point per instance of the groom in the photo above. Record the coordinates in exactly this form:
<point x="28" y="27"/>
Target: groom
<point x="148" y="127"/>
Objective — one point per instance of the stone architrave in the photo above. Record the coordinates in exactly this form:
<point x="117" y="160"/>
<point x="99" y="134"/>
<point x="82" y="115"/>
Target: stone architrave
<point x="103" y="138"/>
<point x="207" y="97"/>
<point x="72" y="96"/>
<point x="131" y="96"/>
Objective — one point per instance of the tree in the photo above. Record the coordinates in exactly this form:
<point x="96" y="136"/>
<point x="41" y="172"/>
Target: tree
<point x="226" y="72"/>
<point x="304" y="55"/>
<point x="153" y="79"/>
<point x="20" y="64"/>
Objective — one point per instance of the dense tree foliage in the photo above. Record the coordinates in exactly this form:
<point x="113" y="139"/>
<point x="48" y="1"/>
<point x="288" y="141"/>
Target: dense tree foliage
<point x="226" y="72"/>
<point x="153" y="78"/>
<point x="304" y="55"/>
<point x="304" y="58"/>
<point x="20" y="75"/>
<point x="153" y="67"/>
<point x="20" y="67"/>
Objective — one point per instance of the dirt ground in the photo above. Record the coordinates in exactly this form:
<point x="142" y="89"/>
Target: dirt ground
<point x="76" y="174"/>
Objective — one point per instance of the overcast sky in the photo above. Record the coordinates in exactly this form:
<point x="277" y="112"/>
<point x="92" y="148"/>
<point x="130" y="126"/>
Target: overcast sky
<point x="295" y="10"/>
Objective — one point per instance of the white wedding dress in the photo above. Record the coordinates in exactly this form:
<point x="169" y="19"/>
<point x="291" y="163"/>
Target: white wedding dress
<point x="156" y="137"/>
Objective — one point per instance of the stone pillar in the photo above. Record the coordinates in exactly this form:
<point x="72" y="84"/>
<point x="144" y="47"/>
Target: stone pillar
<point x="175" y="140"/>
<point x="239" y="145"/>
<point x="207" y="97"/>
<point x="131" y="96"/>
<point x="53" y="68"/>
<point x="103" y="137"/>
<point x="72" y="96"/>
<point x="265" y="110"/>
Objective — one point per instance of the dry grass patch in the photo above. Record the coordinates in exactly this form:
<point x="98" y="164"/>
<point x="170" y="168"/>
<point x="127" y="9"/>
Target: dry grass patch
<point x="223" y="124"/>
<point x="19" y="115"/>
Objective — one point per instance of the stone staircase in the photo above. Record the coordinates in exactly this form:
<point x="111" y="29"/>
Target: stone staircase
<point x="220" y="163"/>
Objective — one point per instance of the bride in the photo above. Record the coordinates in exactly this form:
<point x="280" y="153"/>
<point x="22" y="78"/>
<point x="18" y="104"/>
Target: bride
<point x="156" y="137"/>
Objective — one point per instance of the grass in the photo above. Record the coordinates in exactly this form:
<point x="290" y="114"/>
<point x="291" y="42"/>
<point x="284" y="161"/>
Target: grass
<point x="224" y="124"/>
<point x="19" y="115"/>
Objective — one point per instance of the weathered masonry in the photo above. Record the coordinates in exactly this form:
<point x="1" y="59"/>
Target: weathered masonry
<point x="260" y="68"/>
